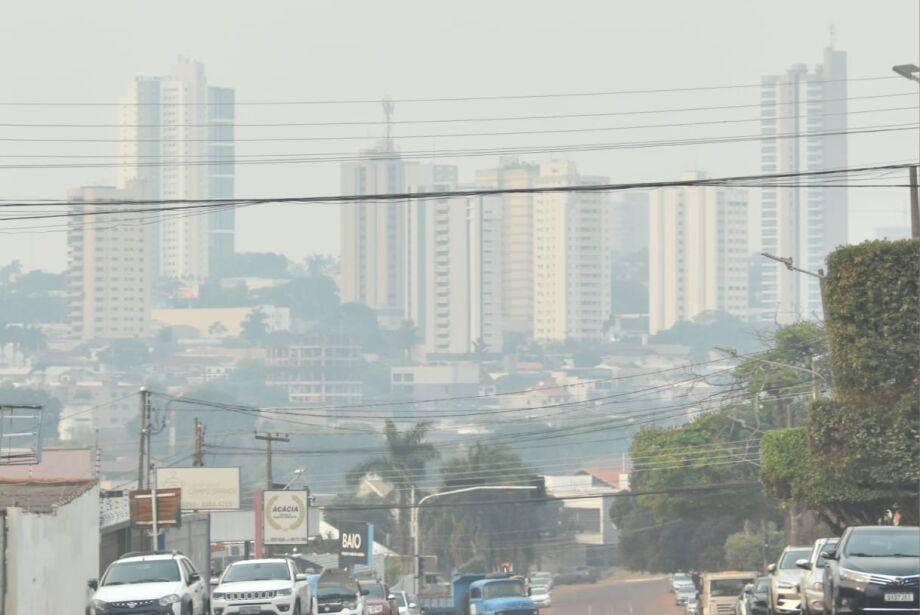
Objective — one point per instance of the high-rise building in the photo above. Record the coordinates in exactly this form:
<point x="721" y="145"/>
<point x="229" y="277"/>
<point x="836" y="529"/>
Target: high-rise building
<point x="629" y="223"/>
<point x="373" y="234"/>
<point x="110" y="265"/>
<point x="698" y="253"/>
<point x="571" y="257"/>
<point x="323" y="368"/>
<point x="517" y="241"/>
<point x="176" y="135"/>
<point x="803" y="125"/>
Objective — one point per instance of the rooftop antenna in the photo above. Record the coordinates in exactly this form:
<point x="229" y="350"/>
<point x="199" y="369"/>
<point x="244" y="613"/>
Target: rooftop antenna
<point x="389" y="107"/>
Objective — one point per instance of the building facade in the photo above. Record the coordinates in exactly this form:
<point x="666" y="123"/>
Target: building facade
<point x="803" y="128"/>
<point x="318" y="369"/>
<point x="110" y="265"/>
<point x="571" y="257"/>
<point x="698" y="252"/>
<point x="176" y="134"/>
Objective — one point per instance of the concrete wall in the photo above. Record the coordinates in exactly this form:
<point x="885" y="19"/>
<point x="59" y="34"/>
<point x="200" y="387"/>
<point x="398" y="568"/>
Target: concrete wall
<point x="50" y="557"/>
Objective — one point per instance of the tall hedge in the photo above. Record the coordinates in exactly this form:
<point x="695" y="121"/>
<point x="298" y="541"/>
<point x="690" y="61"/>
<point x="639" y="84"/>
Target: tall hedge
<point x="872" y="302"/>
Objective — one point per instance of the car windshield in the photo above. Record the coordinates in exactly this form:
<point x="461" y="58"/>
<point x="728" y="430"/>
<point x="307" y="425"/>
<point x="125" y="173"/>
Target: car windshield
<point x="267" y="571"/>
<point x="374" y="590"/>
<point x="162" y="571"/>
<point x="506" y="589"/>
<point x="401" y="599"/>
<point x="334" y="590"/>
<point x="727" y="587"/>
<point x="762" y="586"/>
<point x="884" y="542"/>
<point x="686" y="589"/>
<point x="787" y="562"/>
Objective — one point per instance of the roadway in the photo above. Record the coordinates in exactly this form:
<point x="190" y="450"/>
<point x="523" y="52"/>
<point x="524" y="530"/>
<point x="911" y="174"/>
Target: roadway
<point x="620" y="597"/>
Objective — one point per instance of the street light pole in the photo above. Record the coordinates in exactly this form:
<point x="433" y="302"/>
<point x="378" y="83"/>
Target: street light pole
<point x="416" y="509"/>
<point x="912" y="72"/>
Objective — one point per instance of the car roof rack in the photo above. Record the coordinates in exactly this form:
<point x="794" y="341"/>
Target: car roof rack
<point x="143" y="553"/>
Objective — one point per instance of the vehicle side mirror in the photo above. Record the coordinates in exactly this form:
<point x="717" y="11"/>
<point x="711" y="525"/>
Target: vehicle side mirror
<point x="829" y="554"/>
<point x="215" y="581"/>
<point x="300" y="577"/>
<point x="192" y="577"/>
<point x="93" y="584"/>
<point x="804" y="564"/>
<point x="391" y="597"/>
<point x="749" y="589"/>
<point x="771" y="568"/>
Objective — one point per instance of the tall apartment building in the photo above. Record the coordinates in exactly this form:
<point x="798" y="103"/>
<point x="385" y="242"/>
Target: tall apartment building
<point x="629" y="223"/>
<point x="176" y="135"/>
<point x="318" y="369"/>
<point x="698" y="253"/>
<point x="517" y="241"/>
<point x="373" y="234"/>
<point x="110" y="265"/>
<point x="571" y="257"/>
<point x="804" y="223"/>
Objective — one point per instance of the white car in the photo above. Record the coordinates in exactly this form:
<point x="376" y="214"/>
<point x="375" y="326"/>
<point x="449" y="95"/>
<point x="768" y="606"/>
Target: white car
<point x="407" y="603"/>
<point x="540" y="596"/>
<point x="156" y="583"/>
<point x="262" y="586"/>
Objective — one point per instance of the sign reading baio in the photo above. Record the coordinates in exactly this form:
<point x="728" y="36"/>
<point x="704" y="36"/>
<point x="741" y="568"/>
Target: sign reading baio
<point x="356" y="544"/>
<point x="284" y="517"/>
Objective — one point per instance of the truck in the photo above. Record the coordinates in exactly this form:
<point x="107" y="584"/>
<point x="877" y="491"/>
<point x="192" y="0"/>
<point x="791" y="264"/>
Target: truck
<point x="720" y="591"/>
<point x="482" y="594"/>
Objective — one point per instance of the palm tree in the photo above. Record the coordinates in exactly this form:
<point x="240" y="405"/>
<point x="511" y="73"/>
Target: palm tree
<point x="403" y="465"/>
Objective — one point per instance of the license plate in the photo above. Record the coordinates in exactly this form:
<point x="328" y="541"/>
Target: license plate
<point x="899" y="597"/>
<point x="250" y="610"/>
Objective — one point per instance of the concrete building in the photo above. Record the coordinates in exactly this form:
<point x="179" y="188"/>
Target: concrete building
<point x="804" y="223"/>
<point x="698" y="252"/>
<point x="373" y="235"/>
<point x="571" y="257"/>
<point x="516" y="241"/>
<point x="629" y="223"/>
<point x="430" y="381"/>
<point x="453" y="277"/>
<point x="318" y="369"/>
<point x="110" y="265"/>
<point x="176" y="134"/>
<point x="587" y="511"/>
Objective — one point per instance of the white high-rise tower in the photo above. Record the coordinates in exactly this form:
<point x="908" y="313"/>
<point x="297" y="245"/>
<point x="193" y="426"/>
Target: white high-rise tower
<point x="803" y="124"/>
<point x="177" y="138"/>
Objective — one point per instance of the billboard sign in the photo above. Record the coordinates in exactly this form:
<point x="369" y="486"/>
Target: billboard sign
<point x="284" y="517"/>
<point x="203" y="488"/>
<point x="356" y="544"/>
<point x="168" y="507"/>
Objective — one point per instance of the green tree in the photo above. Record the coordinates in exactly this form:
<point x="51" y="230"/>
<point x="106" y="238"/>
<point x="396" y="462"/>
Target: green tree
<point x="754" y="549"/>
<point x="312" y="298"/>
<point x="255" y="327"/>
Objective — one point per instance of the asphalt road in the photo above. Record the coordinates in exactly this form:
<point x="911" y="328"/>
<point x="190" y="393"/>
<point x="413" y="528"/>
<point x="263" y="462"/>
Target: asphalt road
<point x="633" y="597"/>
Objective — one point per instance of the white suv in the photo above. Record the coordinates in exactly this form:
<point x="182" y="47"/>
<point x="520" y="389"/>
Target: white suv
<point x="149" y="583"/>
<point x="261" y="587"/>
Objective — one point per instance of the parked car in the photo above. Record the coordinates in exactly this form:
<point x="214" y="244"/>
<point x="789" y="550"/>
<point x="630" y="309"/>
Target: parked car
<point x="784" y="581"/>
<point x="874" y="569"/>
<point x="692" y="607"/>
<point x="161" y="582"/>
<point x="377" y="599"/>
<point x="684" y="592"/>
<point x="542" y="578"/>
<point x="338" y="593"/>
<point x="677" y="578"/>
<point x="540" y="596"/>
<point x="754" y="599"/>
<point x="811" y="579"/>
<point x="406" y="603"/>
<point x="264" y="586"/>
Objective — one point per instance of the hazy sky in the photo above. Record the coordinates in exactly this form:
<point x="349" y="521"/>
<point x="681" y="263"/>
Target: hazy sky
<point x="89" y="51"/>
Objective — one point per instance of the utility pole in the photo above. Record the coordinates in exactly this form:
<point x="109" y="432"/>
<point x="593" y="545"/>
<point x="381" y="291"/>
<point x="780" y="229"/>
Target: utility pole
<point x="198" y="458"/>
<point x="269" y="438"/>
<point x="144" y="395"/>
<point x="413" y="522"/>
<point x="914" y="204"/>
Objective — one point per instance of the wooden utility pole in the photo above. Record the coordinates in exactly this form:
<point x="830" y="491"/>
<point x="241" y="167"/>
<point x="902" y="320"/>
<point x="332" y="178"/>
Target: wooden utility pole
<point x="269" y="438"/>
<point x="198" y="458"/>
<point x="914" y="204"/>
<point x="144" y="395"/>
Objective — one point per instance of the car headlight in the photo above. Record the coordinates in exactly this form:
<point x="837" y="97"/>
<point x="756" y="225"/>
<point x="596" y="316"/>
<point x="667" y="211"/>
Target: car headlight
<point x="217" y="596"/>
<point x="286" y="591"/>
<point x="169" y="599"/>
<point x="854" y="575"/>
<point x="375" y="608"/>
<point x="817" y="585"/>
<point x="350" y="605"/>
<point x="99" y="605"/>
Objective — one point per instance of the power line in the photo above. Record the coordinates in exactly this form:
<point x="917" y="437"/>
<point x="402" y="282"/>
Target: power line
<point x="376" y="101"/>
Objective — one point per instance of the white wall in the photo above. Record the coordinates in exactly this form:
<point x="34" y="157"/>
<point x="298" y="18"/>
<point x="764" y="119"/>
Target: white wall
<point x="50" y="557"/>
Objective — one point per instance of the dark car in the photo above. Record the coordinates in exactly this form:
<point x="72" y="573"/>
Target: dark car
<point x="874" y="569"/>
<point x="377" y="599"/>
<point x="753" y="600"/>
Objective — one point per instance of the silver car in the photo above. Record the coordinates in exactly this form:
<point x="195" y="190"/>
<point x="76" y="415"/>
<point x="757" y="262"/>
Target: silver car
<point x="811" y="581"/>
<point x="784" y="580"/>
<point x="407" y="603"/>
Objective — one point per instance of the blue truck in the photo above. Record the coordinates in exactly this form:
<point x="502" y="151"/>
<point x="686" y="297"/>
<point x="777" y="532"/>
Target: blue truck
<point x="491" y="594"/>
